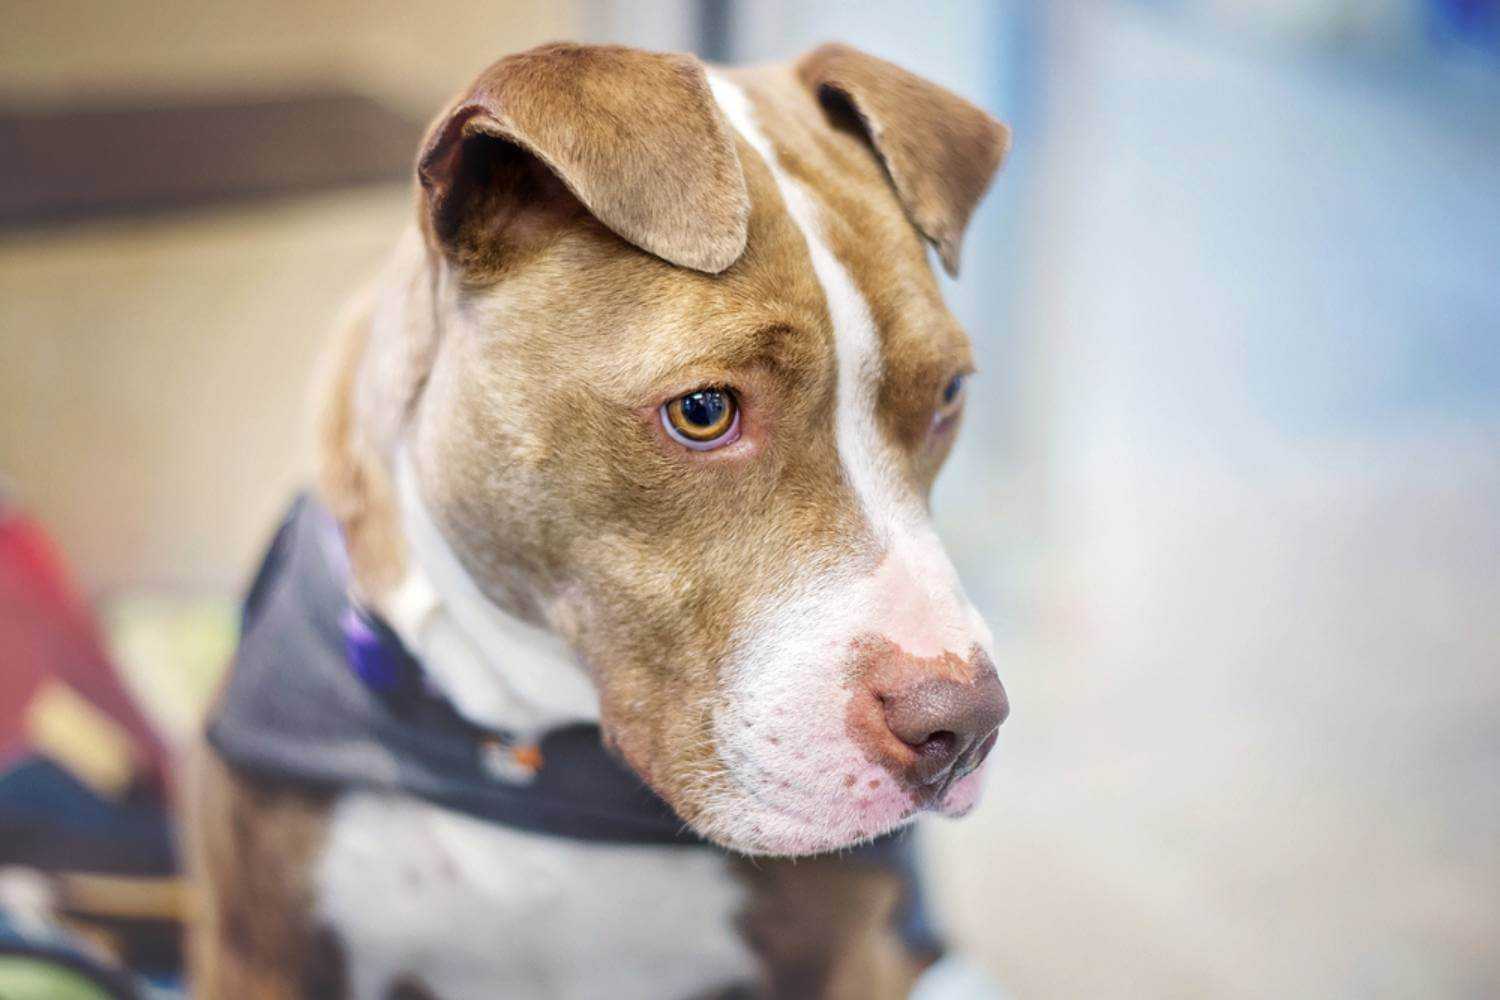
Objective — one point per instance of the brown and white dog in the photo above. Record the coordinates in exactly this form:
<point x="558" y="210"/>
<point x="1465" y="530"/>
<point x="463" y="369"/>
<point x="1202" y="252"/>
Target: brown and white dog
<point x="639" y="427"/>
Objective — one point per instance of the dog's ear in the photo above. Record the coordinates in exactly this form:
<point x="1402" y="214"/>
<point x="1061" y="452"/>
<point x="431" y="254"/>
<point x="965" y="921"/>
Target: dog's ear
<point x="940" y="151"/>
<point x="634" y="137"/>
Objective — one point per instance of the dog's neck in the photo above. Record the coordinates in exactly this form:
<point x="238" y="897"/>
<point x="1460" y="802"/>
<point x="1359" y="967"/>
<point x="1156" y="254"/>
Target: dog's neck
<point x="497" y="671"/>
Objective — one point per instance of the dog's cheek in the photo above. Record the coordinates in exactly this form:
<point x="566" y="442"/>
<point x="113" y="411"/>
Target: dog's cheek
<point x="655" y="688"/>
<point x="662" y="741"/>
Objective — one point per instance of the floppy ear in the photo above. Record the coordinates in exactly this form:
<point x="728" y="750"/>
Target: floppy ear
<point x="940" y="151"/>
<point x="634" y="136"/>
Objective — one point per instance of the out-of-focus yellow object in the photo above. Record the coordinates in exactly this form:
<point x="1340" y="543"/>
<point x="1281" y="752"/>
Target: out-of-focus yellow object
<point x="120" y="897"/>
<point x="63" y="725"/>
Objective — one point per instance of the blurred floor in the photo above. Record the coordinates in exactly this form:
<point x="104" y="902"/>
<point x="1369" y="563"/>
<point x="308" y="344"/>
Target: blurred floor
<point x="1253" y="748"/>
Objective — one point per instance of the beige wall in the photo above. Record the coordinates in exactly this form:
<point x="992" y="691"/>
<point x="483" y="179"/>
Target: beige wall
<point x="414" y="54"/>
<point x="152" y="395"/>
<point x="153" y="373"/>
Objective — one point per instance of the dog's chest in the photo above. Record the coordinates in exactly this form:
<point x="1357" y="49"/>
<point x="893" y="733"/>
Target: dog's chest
<point x="463" y="908"/>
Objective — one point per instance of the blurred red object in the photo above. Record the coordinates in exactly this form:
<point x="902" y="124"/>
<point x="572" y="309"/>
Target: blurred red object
<point x="48" y="634"/>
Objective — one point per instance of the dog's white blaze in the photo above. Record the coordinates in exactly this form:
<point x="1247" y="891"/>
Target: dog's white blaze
<point x="810" y="788"/>
<point x="480" y="910"/>
<point x="497" y="670"/>
<point x="868" y="460"/>
<point x="916" y="570"/>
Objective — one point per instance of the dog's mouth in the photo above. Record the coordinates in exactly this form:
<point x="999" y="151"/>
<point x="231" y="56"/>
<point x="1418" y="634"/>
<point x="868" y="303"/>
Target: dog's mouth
<point x="822" y="796"/>
<point x="790" y="825"/>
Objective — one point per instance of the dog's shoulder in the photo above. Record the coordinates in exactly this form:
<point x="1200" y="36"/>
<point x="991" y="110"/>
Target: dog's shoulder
<point x="251" y="847"/>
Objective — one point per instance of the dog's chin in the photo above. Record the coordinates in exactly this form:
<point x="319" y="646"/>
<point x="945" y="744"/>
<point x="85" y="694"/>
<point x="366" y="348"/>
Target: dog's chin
<point x="760" y="817"/>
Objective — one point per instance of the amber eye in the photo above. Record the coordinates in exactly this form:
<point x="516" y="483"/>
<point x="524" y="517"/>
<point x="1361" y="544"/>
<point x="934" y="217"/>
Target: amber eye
<point x="705" y="419"/>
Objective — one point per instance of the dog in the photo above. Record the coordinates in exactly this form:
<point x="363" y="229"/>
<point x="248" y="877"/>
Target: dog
<point x="629" y="446"/>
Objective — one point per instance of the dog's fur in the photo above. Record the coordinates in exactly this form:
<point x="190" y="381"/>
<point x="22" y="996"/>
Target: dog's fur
<point x="601" y="230"/>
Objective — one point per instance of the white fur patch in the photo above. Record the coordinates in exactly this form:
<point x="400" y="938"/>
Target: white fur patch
<point x="869" y="461"/>
<point x="497" y="671"/>
<point x="801" y="783"/>
<point x="477" y="910"/>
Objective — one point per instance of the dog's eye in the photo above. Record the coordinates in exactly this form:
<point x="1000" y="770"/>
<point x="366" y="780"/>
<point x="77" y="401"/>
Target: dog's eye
<point x="702" y="420"/>
<point x="953" y="392"/>
<point x="950" y="402"/>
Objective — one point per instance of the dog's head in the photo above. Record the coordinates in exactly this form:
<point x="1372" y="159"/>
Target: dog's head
<point x="688" y="384"/>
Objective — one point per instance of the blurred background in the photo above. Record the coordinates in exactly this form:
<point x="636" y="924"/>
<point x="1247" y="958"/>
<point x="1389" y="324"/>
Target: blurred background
<point x="1229" y="490"/>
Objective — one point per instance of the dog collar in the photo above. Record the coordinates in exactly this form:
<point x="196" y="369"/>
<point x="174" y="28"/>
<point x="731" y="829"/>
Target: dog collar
<point x="381" y="661"/>
<point x="323" y="693"/>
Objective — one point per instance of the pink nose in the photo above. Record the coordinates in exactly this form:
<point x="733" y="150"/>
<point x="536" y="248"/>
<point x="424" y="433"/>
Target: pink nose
<point x="949" y="725"/>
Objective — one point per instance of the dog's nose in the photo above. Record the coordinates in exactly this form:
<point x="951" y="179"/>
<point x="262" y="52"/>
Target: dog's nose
<point x="950" y="725"/>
